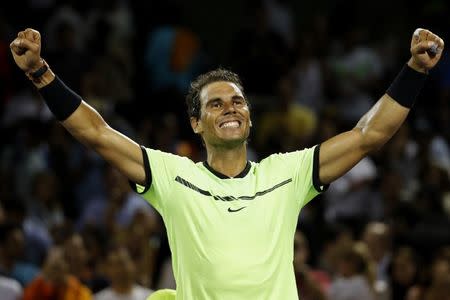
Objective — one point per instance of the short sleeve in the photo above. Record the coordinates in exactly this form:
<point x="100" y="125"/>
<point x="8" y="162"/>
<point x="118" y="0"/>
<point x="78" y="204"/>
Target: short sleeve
<point x="303" y="168"/>
<point x="160" y="169"/>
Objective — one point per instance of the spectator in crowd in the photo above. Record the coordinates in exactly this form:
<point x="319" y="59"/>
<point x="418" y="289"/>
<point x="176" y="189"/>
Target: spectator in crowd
<point x="122" y="272"/>
<point x="312" y="284"/>
<point x="119" y="206"/>
<point x="12" y="258"/>
<point x="377" y="237"/>
<point x="440" y="276"/>
<point x="44" y="212"/>
<point x="351" y="198"/>
<point x="404" y="272"/>
<point x="143" y="238"/>
<point x="10" y="289"/>
<point x="55" y="281"/>
<point x="354" y="279"/>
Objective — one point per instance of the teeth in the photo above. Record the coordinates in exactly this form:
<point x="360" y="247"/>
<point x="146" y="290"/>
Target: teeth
<point x="231" y="124"/>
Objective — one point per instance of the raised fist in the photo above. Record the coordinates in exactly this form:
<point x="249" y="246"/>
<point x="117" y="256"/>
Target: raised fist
<point x="26" y="50"/>
<point x="426" y="50"/>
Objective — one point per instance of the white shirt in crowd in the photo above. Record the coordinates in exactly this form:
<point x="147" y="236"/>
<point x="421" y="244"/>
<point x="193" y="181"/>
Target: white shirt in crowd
<point x="10" y="289"/>
<point x="137" y="293"/>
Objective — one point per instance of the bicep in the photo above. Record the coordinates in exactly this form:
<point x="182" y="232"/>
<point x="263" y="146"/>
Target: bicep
<point x="339" y="154"/>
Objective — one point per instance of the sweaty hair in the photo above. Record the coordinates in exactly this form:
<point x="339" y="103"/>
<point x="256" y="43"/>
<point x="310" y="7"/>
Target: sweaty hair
<point x="193" y="97"/>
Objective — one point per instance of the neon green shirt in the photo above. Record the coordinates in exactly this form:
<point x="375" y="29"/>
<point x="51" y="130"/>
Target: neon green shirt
<point x="232" y="238"/>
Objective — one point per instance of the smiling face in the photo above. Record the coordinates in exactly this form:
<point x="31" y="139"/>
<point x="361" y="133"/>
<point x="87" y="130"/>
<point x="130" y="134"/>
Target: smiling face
<point x="224" y="115"/>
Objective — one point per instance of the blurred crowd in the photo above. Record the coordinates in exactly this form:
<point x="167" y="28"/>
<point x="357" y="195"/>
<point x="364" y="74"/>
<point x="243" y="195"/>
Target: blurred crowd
<point x="70" y="226"/>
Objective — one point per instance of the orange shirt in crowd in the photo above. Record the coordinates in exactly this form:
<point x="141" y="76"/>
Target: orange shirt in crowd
<point x="44" y="290"/>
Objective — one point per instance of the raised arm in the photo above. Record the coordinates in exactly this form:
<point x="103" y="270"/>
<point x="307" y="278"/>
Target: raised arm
<point x="340" y="153"/>
<point x="80" y="119"/>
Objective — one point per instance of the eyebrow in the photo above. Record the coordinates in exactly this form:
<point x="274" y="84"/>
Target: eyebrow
<point x="219" y="99"/>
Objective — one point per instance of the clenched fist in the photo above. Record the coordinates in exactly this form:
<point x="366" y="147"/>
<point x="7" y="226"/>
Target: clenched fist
<point x="26" y="50"/>
<point x="426" y="50"/>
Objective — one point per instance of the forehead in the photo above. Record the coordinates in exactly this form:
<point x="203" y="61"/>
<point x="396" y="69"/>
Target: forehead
<point x="219" y="89"/>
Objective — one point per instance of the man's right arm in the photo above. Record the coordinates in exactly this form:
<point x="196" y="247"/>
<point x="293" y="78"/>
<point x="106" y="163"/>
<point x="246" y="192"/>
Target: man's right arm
<point x="80" y="119"/>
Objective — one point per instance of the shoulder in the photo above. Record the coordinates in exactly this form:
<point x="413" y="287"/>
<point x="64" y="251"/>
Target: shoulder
<point x="286" y="158"/>
<point x="141" y="291"/>
<point x="104" y="294"/>
<point x="158" y="153"/>
<point x="161" y="158"/>
<point x="10" y="285"/>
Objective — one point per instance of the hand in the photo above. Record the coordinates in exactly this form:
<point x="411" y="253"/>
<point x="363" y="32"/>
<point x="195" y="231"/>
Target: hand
<point x="426" y="50"/>
<point x="26" y="50"/>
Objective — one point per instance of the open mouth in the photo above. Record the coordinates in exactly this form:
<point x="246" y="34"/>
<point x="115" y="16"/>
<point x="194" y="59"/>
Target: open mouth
<point x="230" y="124"/>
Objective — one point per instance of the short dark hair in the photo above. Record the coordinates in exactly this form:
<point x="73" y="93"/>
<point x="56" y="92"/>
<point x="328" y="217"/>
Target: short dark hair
<point x="193" y="97"/>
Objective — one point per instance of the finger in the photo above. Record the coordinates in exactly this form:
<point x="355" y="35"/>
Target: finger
<point x="36" y="36"/>
<point x="423" y="35"/>
<point x="416" y="33"/>
<point x="25" y="44"/>
<point x="419" y="35"/>
<point x="438" y="45"/>
<point x="28" y="34"/>
<point x="16" y="49"/>
<point x="435" y="38"/>
<point x="424" y="46"/>
<point x="32" y="34"/>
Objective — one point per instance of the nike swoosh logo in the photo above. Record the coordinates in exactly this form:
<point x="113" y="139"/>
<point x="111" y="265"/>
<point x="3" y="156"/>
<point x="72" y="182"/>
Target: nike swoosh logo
<point x="235" y="210"/>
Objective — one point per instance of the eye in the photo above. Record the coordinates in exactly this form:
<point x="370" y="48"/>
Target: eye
<point x="239" y="102"/>
<point x="216" y="104"/>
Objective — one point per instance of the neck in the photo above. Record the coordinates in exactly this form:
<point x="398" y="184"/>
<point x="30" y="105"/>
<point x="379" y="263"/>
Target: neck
<point x="122" y="287"/>
<point x="6" y="264"/>
<point x="228" y="161"/>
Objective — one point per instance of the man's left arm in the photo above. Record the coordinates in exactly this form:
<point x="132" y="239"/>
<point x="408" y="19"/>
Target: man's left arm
<point x="340" y="153"/>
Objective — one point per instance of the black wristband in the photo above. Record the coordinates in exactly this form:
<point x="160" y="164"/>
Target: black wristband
<point x="39" y="72"/>
<point x="60" y="99"/>
<point x="406" y="86"/>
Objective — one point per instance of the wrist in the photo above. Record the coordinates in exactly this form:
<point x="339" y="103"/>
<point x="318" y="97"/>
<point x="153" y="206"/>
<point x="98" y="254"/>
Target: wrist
<point x="44" y="80"/>
<point x="60" y="99"/>
<point x="36" y="67"/>
<point x="40" y="74"/>
<point x="406" y="86"/>
<point x="416" y="67"/>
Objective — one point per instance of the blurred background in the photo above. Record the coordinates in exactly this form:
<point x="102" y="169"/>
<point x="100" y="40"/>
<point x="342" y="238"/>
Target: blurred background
<point x="310" y="70"/>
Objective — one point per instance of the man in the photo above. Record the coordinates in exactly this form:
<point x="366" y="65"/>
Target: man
<point x="377" y="237"/>
<point x="122" y="273"/>
<point x="55" y="281"/>
<point x="10" y="289"/>
<point x="230" y="222"/>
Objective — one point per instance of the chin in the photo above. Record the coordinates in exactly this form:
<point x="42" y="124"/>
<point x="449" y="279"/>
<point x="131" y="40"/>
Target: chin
<point x="234" y="141"/>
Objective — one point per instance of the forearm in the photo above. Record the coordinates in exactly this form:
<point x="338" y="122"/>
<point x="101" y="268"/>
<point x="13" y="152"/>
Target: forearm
<point x="86" y="125"/>
<point x="380" y="123"/>
<point x="80" y="119"/>
<point x="339" y="154"/>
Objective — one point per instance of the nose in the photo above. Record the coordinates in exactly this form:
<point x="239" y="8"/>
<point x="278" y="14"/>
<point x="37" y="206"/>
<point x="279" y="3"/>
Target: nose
<point x="229" y="108"/>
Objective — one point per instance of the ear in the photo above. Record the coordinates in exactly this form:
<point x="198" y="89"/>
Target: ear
<point x="196" y="125"/>
<point x="251" y="124"/>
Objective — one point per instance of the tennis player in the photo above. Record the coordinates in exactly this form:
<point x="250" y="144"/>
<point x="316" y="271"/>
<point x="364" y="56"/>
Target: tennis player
<point x="231" y="222"/>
